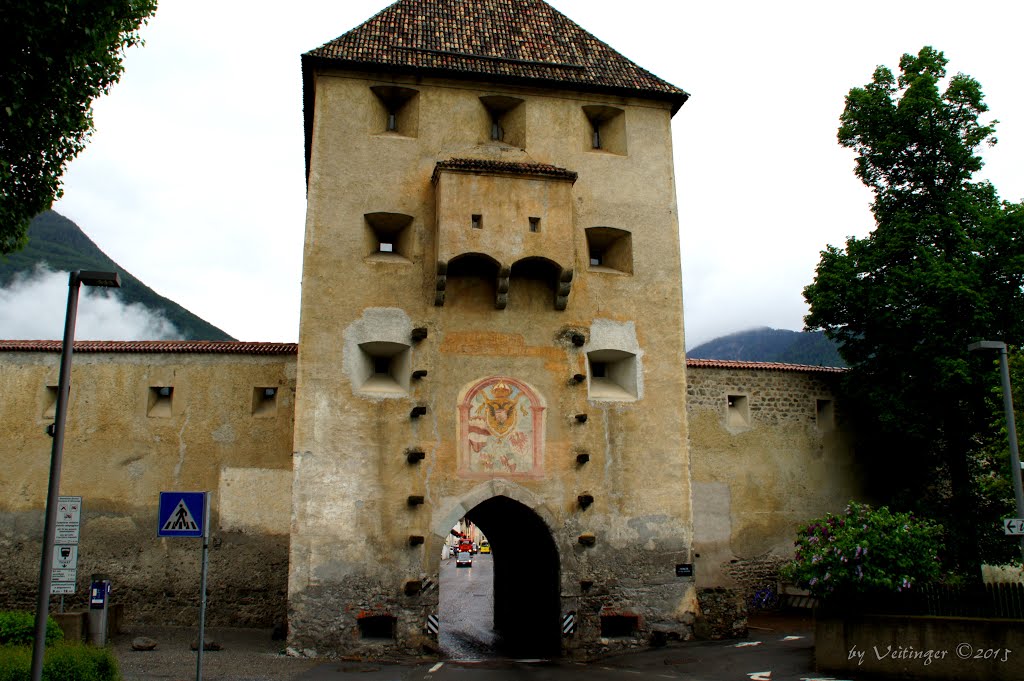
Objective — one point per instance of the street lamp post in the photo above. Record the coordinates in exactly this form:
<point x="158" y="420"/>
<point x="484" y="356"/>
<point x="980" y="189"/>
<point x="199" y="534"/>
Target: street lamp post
<point x="1011" y="423"/>
<point x="78" y="277"/>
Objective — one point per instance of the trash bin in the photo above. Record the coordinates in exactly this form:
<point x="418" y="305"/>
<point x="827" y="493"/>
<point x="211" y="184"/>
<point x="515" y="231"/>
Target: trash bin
<point x="99" y="601"/>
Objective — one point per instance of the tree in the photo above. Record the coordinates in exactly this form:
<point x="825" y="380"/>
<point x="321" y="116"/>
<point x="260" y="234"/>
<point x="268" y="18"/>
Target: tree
<point x="943" y="267"/>
<point x="59" y="55"/>
<point x="865" y="551"/>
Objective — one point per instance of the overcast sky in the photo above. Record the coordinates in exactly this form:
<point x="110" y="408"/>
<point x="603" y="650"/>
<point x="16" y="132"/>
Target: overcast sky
<point x="194" y="180"/>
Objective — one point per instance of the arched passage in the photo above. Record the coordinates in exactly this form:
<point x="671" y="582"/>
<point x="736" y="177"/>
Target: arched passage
<point x="526" y="577"/>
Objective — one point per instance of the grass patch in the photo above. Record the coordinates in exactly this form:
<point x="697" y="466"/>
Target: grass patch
<point x="62" y="662"/>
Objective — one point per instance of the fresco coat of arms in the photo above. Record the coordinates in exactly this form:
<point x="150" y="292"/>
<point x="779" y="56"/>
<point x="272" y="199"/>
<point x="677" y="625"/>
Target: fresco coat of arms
<point x="501" y="430"/>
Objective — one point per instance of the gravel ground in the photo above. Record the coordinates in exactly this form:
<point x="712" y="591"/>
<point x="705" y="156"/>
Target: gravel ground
<point x="247" y="655"/>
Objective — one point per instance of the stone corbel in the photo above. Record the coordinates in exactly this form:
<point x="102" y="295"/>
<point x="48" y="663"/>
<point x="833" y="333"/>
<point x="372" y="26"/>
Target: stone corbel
<point x="501" y="299"/>
<point x="440" y="282"/>
<point x="563" y="289"/>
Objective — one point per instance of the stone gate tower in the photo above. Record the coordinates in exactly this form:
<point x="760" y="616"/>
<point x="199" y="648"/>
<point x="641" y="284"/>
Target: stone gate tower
<point x="491" y="328"/>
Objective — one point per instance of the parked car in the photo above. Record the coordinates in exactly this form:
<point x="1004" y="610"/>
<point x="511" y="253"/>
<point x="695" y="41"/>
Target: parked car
<point x="463" y="559"/>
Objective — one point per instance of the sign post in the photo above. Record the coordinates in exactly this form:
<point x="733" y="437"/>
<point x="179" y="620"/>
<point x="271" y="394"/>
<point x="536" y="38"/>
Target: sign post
<point x="187" y="514"/>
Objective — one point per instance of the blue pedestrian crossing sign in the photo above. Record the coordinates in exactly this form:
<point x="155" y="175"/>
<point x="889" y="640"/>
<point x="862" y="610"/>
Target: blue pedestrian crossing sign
<point x="182" y="514"/>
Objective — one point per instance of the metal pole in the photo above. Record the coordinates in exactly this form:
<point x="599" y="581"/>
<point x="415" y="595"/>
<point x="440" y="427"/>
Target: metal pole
<point x="1011" y="432"/>
<point x="56" y="454"/>
<point x="202" y="586"/>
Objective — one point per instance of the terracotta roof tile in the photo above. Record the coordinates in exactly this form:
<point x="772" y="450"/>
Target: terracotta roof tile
<point x="764" y="366"/>
<point x="504" y="167"/>
<point x="243" y="348"/>
<point x="180" y="347"/>
<point x="525" y="41"/>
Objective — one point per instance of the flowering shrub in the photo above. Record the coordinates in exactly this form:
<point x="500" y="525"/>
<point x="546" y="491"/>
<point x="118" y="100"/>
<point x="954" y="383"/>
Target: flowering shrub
<point x="864" y="550"/>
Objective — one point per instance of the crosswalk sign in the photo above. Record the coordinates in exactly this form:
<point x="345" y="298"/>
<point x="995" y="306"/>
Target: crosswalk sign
<point x="182" y="514"/>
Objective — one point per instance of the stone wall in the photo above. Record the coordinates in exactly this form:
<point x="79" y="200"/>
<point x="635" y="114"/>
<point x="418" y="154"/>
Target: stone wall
<point x="770" y="449"/>
<point x="121" y="450"/>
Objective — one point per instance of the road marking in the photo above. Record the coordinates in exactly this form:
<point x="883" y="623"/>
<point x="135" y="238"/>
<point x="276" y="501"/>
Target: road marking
<point x="760" y="676"/>
<point x="436" y="667"/>
<point x="792" y="638"/>
<point x="747" y="644"/>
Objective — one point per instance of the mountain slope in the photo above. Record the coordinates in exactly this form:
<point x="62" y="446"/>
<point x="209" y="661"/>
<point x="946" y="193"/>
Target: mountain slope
<point x="772" y="345"/>
<point x="62" y="245"/>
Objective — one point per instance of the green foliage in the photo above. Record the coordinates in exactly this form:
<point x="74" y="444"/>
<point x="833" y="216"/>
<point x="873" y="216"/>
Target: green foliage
<point x="18" y="628"/>
<point x="63" y="662"/>
<point x="63" y="55"/>
<point x="943" y="267"/>
<point x="865" y="550"/>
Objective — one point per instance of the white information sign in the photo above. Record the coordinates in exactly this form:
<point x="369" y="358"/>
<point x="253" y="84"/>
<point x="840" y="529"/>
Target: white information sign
<point x="1013" y="526"/>
<point x="64" y="573"/>
<point x="69" y="518"/>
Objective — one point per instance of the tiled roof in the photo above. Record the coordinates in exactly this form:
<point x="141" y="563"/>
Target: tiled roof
<point x="522" y="41"/>
<point x="241" y="348"/>
<point x="504" y="167"/>
<point x="180" y="347"/>
<point x="763" y="366"/>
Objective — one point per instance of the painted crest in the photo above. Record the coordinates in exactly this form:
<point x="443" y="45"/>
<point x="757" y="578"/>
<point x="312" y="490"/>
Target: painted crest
<point x="501" y="428"/>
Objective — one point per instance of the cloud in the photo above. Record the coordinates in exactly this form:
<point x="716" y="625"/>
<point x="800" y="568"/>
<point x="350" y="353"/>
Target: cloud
<point x="33" y="307"/>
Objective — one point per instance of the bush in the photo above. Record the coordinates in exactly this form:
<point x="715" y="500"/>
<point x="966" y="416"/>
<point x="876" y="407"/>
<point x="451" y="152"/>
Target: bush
<point x="63" y="662"/>
<point x="864" y="551"/>
<point x="18" y="628"/>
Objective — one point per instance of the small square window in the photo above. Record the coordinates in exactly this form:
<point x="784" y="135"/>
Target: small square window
<point x="598" y="370"/>
<point x="596" y="260"/>
<point x="382" y="366"/>
<point x="386" y="247"/>
<point x="534" y="224"/>
<point x="477" y="222"/>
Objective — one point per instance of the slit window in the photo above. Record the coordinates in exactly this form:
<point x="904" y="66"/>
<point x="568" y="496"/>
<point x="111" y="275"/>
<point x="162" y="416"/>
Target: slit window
<point x="389" y="236"/>
<point x="477" y="221"/>
<point x="825" y="415"/>
<point x="50" y="405"/>
<point x="384" y="367"/>
<point x="606" y="128"/>
<point x="610" y="249"/>
<point x="264" y="401"/>
<point x="614" y="375"/>
<point x="738" y="410"/>
<point x="535" y="225"/>
<point x="160" y="400"/>
<point x="396" y="110"/>
<point x="506" y="119"/>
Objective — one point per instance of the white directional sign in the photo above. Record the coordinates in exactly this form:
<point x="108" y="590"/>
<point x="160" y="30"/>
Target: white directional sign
<point x="1013" y="526"/>
<point x="69" y="518"/>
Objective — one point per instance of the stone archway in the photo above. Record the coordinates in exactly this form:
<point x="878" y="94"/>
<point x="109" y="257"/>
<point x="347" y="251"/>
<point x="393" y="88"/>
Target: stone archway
<point x="527" y="566"/>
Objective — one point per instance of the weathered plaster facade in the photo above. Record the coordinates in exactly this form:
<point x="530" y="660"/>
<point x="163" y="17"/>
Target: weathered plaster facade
<point x="122" y="449"/>
<point x="771" y="448"/>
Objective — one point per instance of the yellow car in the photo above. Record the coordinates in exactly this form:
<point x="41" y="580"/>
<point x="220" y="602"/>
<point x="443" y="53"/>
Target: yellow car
<point x="485" y="547"/>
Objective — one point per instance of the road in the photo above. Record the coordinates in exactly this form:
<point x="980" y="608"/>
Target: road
<point x="466" y="610"/>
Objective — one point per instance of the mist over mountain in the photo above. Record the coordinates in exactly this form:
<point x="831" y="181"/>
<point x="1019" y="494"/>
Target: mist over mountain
<point x="772" y="345"/>
<point x="34" y="289"/>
